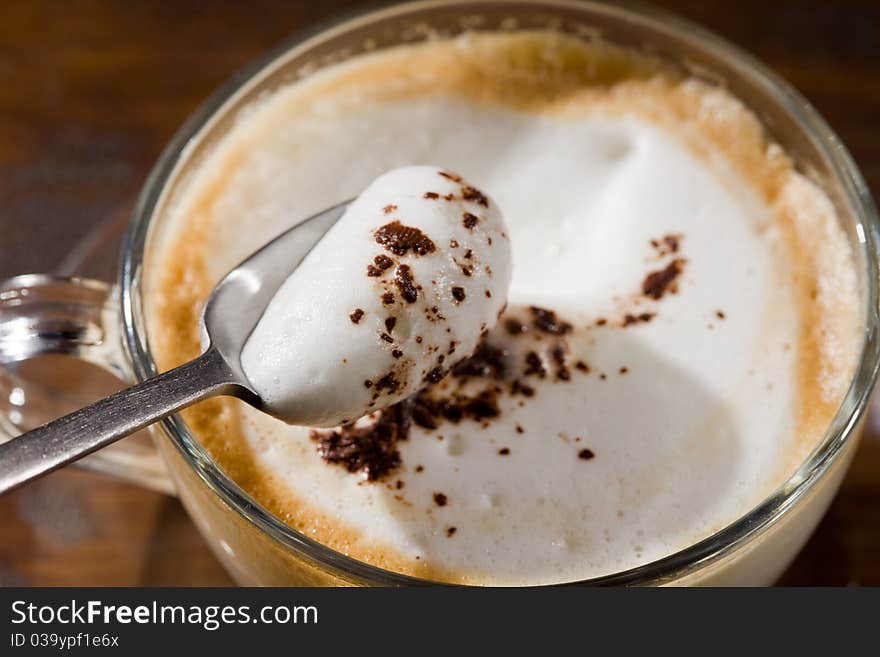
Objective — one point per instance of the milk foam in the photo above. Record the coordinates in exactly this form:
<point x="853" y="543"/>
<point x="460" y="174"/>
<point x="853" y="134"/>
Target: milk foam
<point x="691" y="418"/>
<point x="367" y="316"/>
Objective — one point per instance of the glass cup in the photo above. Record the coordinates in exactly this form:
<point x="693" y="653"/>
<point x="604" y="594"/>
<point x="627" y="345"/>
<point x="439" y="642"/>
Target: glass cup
<point x="42" y="317"/>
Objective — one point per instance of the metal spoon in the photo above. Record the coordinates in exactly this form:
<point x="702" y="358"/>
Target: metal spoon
<point x="230" y="315"/>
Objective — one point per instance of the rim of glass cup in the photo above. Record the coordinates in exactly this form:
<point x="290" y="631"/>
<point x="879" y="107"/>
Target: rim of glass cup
<point x="666" y="569"/>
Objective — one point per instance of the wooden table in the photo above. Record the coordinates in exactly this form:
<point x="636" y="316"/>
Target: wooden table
<point x="89" y="93"/>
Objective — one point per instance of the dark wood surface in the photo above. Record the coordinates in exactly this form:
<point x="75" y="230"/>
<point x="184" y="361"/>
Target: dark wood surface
<point x="91" y="91"/>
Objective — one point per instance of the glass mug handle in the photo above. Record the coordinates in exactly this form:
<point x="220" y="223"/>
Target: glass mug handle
<point x="59" y="339"/>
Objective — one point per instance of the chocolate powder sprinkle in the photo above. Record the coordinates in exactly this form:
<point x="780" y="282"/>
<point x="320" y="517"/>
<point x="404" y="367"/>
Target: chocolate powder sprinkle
<point x="481" y="407"/>
<point x="472" y="391"/>
<point x="547" y="321"/>
<point x="469" y="193"/>
<point x="520" y="388"/>
<point x="641" y="318"/>
<point x="487" y="362"/>
<point x="562" y="372"/>
<point x="387" y="298"/>
<point x="454" y="177"/>
<point x="432" y="195"/>
<point x="672" y="242"/>
<point x="450" y="531"/>
<point x="469" y="220"/>
<point x="658" y="283"/>
<point x="405" y="284"/>
<point x="383" y="262"/>
<point x="356" y="316"/>
<point x="514" y="326"/>
<point x="369" y="449"/>
<point x="423" y="415"/>
<point x="668" y="245"/>
<point x="534" y="365"/>
<point x="458" y="293"/>
<point x="586" y="454"/>
<point x="389" y="382"/>
<point x="429" y="412"/>
<point x="388" y="209"/>
<point x="400" y="239"/>
<point x="434" y="376"/>
<point x="440" y="499"/>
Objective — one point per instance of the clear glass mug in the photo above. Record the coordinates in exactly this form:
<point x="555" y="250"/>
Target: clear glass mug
<point x="104" y="324"/>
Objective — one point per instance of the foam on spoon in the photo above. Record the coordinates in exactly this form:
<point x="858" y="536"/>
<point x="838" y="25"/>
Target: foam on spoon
<point x="400" y="289"/>
<point x="686" y="410"/>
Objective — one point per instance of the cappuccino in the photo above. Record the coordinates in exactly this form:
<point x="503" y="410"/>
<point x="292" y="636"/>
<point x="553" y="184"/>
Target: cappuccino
<point x="682" y="317"/>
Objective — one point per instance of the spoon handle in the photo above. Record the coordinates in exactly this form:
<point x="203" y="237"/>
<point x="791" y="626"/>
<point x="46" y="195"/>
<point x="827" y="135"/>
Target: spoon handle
<point x="71" y="437"/>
